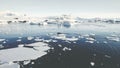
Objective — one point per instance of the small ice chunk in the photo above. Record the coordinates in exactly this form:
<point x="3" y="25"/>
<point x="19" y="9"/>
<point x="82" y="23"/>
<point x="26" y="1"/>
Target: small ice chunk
<point x="32" y="63"/>
<point x="30" y="38"/>
<point x="1" y="46"/>
<point x="105" y="42"/>
<point x="37" y="39"/>
<point x="20" y="45"/>
<point x="19" y="40"/>
<point x="26" y="62"/>
<point x="86" y="35"/>
<point x="66" y="48"/>
<point x="54" y="40"/>
<point x="107" y="56"/>
<point x="116" y="39"/>
<point x="72" y="39"/>
<point x="4" y="42"/>
<point x="90" y="41"/>
<point x="47" y="40"/>
<point x="92" y="63"/>
<point x="74" y="42"/>
<point x="92" y="34"/>
<point x="52" y="48"/>
<point x="60" y="45"/>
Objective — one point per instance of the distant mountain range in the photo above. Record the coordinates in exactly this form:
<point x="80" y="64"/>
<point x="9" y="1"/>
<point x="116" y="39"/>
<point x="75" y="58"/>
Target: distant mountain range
<point x="12" y="17"/>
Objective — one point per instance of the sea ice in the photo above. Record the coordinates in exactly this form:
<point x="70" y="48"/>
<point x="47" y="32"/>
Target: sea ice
<point x="30" y="38"/>
<point x="112" y="38"/>
<point x="23" y="52"/>
<point x="92" y="63"/>
<point x="66" y="48"/>
<point x="2" y="40"/>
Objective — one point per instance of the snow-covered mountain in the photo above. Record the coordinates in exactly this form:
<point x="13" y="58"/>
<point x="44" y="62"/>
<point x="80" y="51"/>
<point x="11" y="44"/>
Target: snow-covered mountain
<point x="12" y="17"/>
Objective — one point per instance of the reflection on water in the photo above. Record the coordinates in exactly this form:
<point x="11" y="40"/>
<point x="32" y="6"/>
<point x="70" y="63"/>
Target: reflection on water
<point x="92" y="49"/>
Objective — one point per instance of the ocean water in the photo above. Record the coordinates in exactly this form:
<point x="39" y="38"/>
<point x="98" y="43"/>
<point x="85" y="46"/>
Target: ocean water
<point x="102" y="53"/>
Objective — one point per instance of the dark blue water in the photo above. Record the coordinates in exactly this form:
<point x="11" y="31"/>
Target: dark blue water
<point x="81" y="55"/>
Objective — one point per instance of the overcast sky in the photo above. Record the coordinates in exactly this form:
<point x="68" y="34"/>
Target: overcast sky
<point x="85" y="8"/>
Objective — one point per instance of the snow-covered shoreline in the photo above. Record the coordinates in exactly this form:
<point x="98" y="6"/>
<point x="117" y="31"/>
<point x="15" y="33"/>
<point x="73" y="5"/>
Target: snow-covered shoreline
<point x="67" y="20"/>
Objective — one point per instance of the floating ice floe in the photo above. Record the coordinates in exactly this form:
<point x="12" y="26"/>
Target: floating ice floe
<point x="60" y="45"/>
<point x="24" y="52"/>
<point x="72" y="39"/>
<point x="92" y="63"/>
<point x="105" y="42"/>
<point x="19" y="40"/>
<point x="92" y="34"/>
<point x="60" y="36"/>
<point x="113" y="38"/>
<point x="38" y="39"/>
<point x="54" y="40"/>
<point x="49" y="40"/>
<point x="107" y="56"/>
<point x="2" y="40"/>
<point x="86" y="35"/>
<point x="1" y="46"/>
<point x="63" y="37"/>
<point x="30" y="38"/>
<point x="90" y="40"/>
<point x="66" y="48"/>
